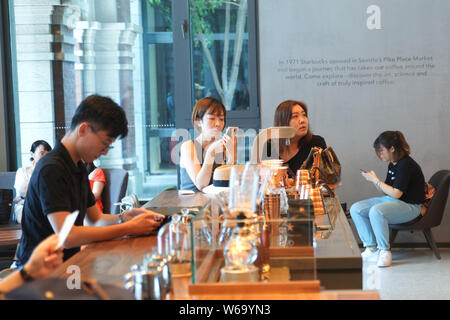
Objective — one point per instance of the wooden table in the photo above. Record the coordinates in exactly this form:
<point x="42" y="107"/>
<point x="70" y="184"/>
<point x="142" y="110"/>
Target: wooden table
<point x="109" y="261"/>
<point x="171" y="198"/>
<point x="10" y="234"/>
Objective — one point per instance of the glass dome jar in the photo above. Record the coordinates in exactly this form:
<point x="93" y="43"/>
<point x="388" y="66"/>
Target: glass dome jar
<point x="241" y="250"/>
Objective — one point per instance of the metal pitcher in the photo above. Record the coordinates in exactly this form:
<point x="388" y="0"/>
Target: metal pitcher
<point x="163" y="263"/>
<point x="145" y="284"/>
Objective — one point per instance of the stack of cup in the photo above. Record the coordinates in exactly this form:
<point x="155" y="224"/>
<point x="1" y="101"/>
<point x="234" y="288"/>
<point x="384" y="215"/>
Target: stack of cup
<point x="302" y="184"/>
<point x="272" y="205"/>
<point x="272" y="211"/>
<point x="302" y="178"/>
<point x="304" y="191"/>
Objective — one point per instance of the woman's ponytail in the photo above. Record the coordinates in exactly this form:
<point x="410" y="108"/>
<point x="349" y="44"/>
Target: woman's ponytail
<point x="402" y="143"/>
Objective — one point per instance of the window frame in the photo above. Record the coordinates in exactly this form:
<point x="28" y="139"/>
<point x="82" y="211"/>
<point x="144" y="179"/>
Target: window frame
<point x="149" y="38"/>
<point x="9" y="84"/>
<point x="183" y="70"/>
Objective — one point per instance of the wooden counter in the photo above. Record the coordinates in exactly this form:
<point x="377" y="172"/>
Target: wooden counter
<point x="109" y="261"/>
<point x="338" y="256"/>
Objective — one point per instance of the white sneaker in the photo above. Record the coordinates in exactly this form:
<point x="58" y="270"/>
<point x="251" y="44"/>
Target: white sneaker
<point x="370" y="254"/>
<point x="385" y="258"/>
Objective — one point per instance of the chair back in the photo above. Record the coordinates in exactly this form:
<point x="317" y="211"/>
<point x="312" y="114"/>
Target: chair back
<point x="114" y="189"/>
<point x="7" y="180"/>
<point x="433" y="216"/>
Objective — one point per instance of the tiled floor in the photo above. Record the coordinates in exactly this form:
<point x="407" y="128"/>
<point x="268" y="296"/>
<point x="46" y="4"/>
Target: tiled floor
<point x="414" y="274"/>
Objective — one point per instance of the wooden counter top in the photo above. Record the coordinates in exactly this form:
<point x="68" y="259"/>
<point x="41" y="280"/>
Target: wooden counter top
<point x="109" y="261"/>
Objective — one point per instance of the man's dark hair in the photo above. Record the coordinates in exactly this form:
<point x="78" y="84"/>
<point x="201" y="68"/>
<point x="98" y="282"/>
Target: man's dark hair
<point x="102" y="113"/>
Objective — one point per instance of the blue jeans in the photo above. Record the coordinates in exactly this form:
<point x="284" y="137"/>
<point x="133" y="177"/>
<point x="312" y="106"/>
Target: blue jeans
<point x="373" y="216"/>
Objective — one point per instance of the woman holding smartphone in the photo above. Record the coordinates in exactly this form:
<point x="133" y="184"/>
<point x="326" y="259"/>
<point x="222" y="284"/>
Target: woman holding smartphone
<point x="404" y="194"/>
<point x="200" y="157"/>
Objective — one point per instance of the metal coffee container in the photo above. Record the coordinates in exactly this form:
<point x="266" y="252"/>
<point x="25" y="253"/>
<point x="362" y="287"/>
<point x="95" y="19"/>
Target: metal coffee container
<point x="163" y="263"/>
<point x="146" y="283"/>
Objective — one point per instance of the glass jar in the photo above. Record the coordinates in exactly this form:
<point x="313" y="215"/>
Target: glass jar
<point x="163" y="245"/>
<point x="244" y="190"/>
<point x="180" y="245"/>
<point x="173" y="242"/>
<point x="241" y="250"/>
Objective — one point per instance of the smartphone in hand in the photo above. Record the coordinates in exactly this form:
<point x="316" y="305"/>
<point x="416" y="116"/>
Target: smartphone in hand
<point x="231" y="131"/>
<point x="364" y="171"/>
<point x="164" y="220"/>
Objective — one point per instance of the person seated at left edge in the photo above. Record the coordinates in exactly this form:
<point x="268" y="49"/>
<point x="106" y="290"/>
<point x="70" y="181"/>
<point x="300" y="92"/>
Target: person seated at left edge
<point x="60" y="185"/>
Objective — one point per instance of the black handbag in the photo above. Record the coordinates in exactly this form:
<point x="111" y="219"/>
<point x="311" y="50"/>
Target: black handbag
<point x="6" y="201"/>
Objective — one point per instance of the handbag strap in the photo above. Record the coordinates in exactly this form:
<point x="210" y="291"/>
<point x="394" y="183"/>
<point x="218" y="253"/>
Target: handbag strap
<point x="330" y="156"/>
<point x="317" y="155"/>
<point x="315" y="169"/>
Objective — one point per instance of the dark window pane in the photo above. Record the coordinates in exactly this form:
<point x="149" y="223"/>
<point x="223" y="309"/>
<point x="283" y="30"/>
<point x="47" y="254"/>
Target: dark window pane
<point x="220" y="52"/>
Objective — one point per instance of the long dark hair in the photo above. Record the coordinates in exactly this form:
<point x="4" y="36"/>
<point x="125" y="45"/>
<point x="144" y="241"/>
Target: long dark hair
<point x="394" y="139"/>
<point x="283" y="116"/>
<point x="38" y="143"/>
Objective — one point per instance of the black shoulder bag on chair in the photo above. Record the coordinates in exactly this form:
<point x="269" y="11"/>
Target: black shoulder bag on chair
<point x="6" y="201"/>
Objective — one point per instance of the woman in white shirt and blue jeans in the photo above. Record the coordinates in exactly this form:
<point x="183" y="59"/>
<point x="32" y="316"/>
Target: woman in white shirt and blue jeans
<point x="404" y="195"/>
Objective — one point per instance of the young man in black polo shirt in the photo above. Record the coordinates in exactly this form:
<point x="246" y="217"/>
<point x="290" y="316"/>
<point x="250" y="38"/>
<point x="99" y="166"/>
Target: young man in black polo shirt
<point x="59" y="185"/>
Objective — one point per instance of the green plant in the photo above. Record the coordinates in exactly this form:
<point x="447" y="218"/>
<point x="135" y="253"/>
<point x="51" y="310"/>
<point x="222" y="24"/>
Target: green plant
<point x="203" y="13"/>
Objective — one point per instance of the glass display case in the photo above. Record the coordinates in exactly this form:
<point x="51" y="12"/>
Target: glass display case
<point x="332" y="244"/>
<point x="253" y="248"/>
